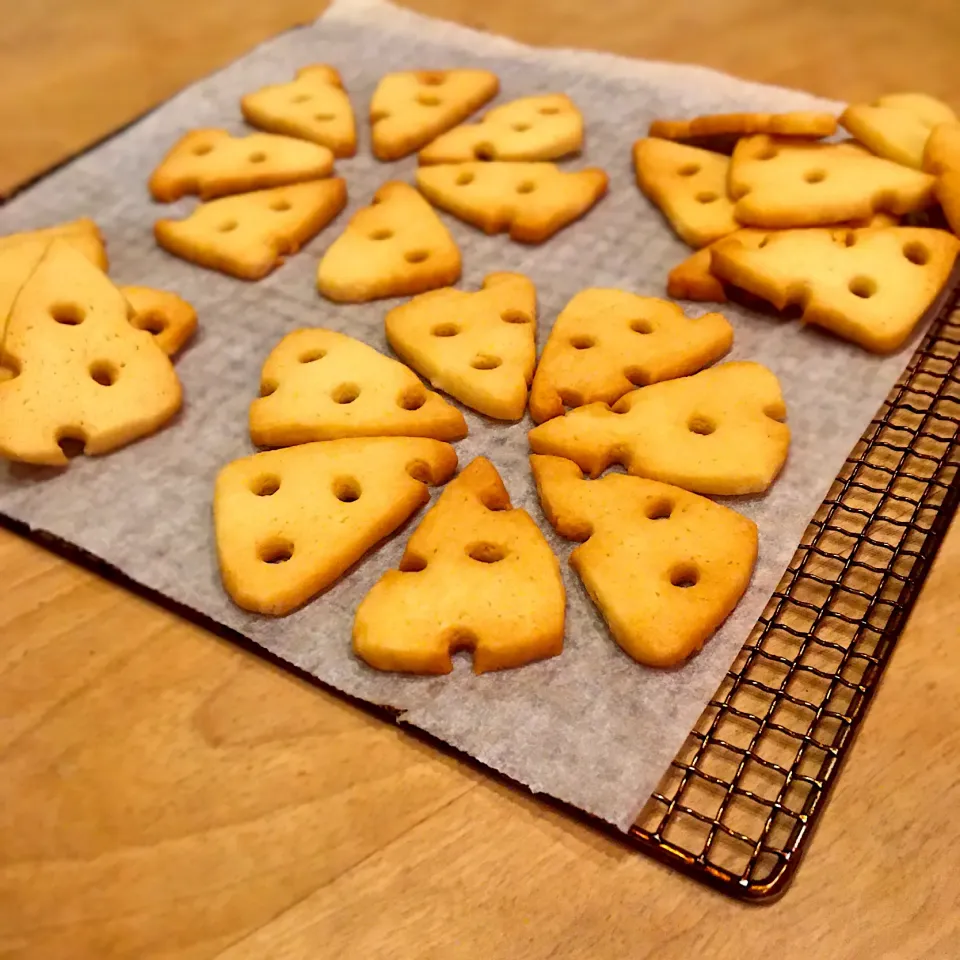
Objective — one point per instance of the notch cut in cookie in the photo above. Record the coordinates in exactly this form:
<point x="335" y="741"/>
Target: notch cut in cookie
<point x="169" y="318"/>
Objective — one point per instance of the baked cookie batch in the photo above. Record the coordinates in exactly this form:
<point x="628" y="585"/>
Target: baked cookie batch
<point x="355" y="438"/>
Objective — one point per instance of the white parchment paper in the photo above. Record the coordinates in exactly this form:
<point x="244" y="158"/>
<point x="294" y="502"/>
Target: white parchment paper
<point x="590" y="727"/>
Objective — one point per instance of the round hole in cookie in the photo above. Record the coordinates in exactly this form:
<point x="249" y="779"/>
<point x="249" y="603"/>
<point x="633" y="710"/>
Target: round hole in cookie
<point x="227" y="226"/>
<point x="429" y="79"/>
<point x="515" y="316"/>
<point x="323" y="117"/>
<point x="382" y="234"/>
<point x="69" y="314"/>
<point x="659" y="509"/>
<point x="484" y="151"/>
<point x="257" y="157"/>
<point x="549" y="111"/>
<point x="689" y="169"/>
<point x="863" y="287"/>
<point x="104" y="373"/>
<point x="484" y="361"/>
<point x="265" y="486"/>
<point x="420" y="470"/>
<point x="527" y="186"/>
<point x="763" y="242"/>
<point x="346" y="489"/>
<point x="581" y="342"/>
<point x="9" y="369"/>
<point x="768" y="152"/>
<point x="484" y="552"/>
<point x="916" y="253"/>
<point x="413" y="398"/>
<point x="815" y="176"/>
<point x="520" y="127"/>
<point x="280" y="205"/>
<point x="707" y="196"/>
<point x="72" y="441"/>
<point x="641" y="326"/>
<point x="152" y="322"/>
<point x="684" y="575"/>
<point x="202" y="149"/>
<point x="276" y="551"/>
<point x="411" y="563"/>
<point x="345" y="393"/>
<point x="702" y="426"/>
<point x="464" y="178"/>
<point x="311" y="356"/>
<point x="416" y="256"/>
<point x="301" y="98"/>
<point x="428" y="100"/>
<point x="445" y="330"/>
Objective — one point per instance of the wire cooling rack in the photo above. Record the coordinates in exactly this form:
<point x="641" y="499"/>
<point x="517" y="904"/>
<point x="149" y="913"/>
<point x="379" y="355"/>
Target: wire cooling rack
<point x="737" y="807"/>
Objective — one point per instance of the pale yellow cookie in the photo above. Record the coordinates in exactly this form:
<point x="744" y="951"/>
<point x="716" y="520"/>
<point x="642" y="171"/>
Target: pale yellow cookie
<point x="396" y="247"/>
<point x="290" y="522"/>
<point x="212" y="163"/>
<point x="322" y="385"/>
<point x="689" y="186"/>
<point x="870" y="286"/>
<point x="248" y="236"/>
<point x="478" y="347"/>
<point x="314" y="107"/>
<point x="410" y="108"/>
<point x="170" y="319"/>
<point x="476" y="575"/>
<point x="81" y="371"/>
<point x="942" y="157"/>
<point x="545" y="127"/>
<point x="781" y="183"/>
<point x="530" y="200"/>
<point x="723" y="129"/>
<point x="606" y="343"/>
<point x="665" y="567"/>
<point x="897" y="126"/>
<point x="717" y="432"/>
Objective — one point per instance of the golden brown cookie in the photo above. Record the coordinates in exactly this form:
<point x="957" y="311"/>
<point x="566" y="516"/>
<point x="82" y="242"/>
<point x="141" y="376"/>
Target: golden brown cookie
<point x="410" y="108"/>
<point x="546" y="127"/>
<point x="722" y="130"/>
<point x="606" y="343"/>
<point x="170" y="319"/>
<point x="665" y="567"/>
<point x="717" y="432"/>
<point x="249" y="235"/>
<point x="942" y="157"/>
<point x="322" y="385"/>
<point x="314" y="106"/>
<point x="396" y="247"/>
<point x="690" y="187"/>
<point x="530" y="200"/>
<point x="476" y="575"/>
<point x="290" y="522"/>
<point x="478" y="347"/>
<point x="81" y="371"/>
<point x="869" y="286"/>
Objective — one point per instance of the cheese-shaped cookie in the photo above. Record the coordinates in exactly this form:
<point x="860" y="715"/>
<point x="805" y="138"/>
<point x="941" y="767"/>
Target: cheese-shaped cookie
<point x="83" y="235"/>
<point x="323" y="385"/>
<point x="870" y="286"/>
<point x="476" y="575"/>
<point x="664" y="567"/>
<point x="249" y="235"/>
<point x="170" y="319"/>
<point x="410" y="108"/>
<point x="82" y="372"/>
<point x="530" y="200"/>
<point x="290" y="522"/>
<point x="897" y="126"/>
<point x="606" y="343"/>
<point x="396" y="247"/>
<point x="689" y="186"/>
<point x="781" y="183"/>
<point x="314" y="106"/>
<point x="722" y="130"/>
<point x="717" y="432"/>
<point x="942" y="157"/>
<point x="478" y="347"/>
<point x="546" y="127"/>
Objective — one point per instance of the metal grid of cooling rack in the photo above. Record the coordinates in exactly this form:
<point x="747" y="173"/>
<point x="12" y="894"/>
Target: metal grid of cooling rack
<point x="737" y="807"/>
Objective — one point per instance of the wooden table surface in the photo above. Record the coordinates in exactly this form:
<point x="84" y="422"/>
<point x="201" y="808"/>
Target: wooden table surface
<point x="165" y="795"/>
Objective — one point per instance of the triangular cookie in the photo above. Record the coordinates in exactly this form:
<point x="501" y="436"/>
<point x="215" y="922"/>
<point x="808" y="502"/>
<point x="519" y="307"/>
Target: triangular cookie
<point x="869" y="286"/>
<point x="689" y="186"/>
<point x="717" y="432"/>
<point x="897" y="126"/>
<point x="314" y="107"/>
<point x="212" y="163"/>
<point x="942" y="157"/>
<point x="532" y="128"/>
<point x="323" y="385"/>
<point x="720" y="131"/>
<point x="289" y="522"/>
<point x="531" y="200"/>
<point x="249" y="235"/>
<point x="476" y="575"/>
<point x="478" y="347"/>
<point x="396" y="247"/>
<point x="170" y="319"/>
<point x="664" y="566"/>
<point x="782" y="183"/>
<point x="606" y="343"/>
<point x="82" y="372"/>
<point x="409" y="109"/>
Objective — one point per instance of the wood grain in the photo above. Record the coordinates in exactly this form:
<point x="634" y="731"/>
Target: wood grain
<point x="166" y="795"/>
